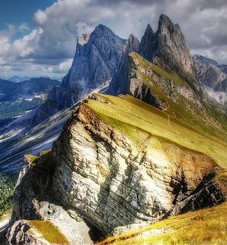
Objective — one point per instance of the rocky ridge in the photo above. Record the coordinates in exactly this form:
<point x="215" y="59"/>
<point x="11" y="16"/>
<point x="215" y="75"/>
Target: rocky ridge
<point x="210" y="73"/>
<point x="114" y="173"/>
<point x="110" y="178"/>
<point x="213" y="78"/>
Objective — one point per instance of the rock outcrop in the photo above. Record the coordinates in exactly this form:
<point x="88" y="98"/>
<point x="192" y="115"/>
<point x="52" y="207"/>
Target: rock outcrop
<point x="120" y="162"/>
<point x="210" y="73"/>
<point x="35" y="208"/>
<point x="101" y="174"/>
<point x="166" y="48"/>
<point x="213" y="78"/>
<point x="169" y="44"/>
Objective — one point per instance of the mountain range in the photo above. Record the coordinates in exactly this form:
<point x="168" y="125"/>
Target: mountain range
<point x="17" y="98"/>
<point x="144" y="138"/>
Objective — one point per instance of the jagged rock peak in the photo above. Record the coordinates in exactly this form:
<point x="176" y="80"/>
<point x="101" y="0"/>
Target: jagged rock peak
<point x="172" y="46"/>
<point x="148" y="35"/>
<point x="165" y="21"/>
<point x="146" y="43"/>
<point x="133" y="43"/>
<point x="103" y="31"/>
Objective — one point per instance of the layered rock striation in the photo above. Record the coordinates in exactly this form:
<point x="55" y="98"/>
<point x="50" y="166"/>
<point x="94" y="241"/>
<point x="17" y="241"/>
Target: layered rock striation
<point x="101" y="172"/>
<point x="120" y="162"/>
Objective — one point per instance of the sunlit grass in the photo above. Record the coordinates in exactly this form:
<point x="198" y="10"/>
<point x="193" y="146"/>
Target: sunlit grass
<point x="157" y="123"/>
<point x="49" y="232"/>
<point x="192" y="111"/>
<point x="207" y="226"/>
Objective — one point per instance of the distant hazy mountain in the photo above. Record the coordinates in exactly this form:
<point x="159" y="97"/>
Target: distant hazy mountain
<point x="18" y="79"/>
<point x="157" y="149"/>
<point x="17" y="98"/>
<point x="211" y="73"/>
<point x="10" y="91"/>
<point x="214" y="78"/>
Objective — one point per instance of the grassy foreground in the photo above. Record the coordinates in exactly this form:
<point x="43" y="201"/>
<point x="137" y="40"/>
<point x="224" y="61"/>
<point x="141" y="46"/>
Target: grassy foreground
<point x="49" y="232"/>
<point x="207" y="226"/>
<point x="127" y="110"/>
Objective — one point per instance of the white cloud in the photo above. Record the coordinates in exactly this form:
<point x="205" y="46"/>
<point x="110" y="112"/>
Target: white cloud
<point x="65" y="65"/>
<point x="51" y="45"/>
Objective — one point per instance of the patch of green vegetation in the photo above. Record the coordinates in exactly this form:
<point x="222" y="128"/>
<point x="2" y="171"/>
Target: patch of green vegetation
<point x="31" y="157"/>
<point x="34" y="158"/>
<point x="207" y="226"/>
<point x="168" y="74"/>
<point x="49" y="232"/>
<point x="132" y="113"/>
<point x="138" y="136"/>
<point x="202" y="118"/>
<point x="42" y="153"/>
<point x="7" y="183"/>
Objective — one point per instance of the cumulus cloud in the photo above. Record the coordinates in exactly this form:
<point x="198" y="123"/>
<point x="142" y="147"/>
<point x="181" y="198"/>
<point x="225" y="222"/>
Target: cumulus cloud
<point x="51" y="45"/>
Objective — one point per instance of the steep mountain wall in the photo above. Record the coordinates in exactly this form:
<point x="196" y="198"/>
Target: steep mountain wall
<point x="114" y="174"/>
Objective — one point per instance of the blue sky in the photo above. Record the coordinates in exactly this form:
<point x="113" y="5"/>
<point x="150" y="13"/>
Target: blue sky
<point x="19" y="11"/>
<point x="38" y="37"/>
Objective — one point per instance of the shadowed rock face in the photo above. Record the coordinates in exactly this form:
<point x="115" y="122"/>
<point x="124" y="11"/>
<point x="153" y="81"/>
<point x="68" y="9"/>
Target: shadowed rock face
<point x="96" y="59"/>
<point x="101" y="173"/>
<point x="169" y="44"/>
<point x="120" y="82"/>
<point x="210" y="73"/>
<point x="95" y="169"/>
<point x="166" y="47"/>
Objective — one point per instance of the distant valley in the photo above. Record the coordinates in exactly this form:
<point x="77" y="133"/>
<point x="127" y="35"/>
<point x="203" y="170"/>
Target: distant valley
<point x="135" y="134"/>
<point x="18" y="98"/>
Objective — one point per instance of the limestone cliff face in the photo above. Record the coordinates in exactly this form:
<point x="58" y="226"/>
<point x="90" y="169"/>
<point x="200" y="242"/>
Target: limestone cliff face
<point x="169" y="44"/>
<point x="210" y="73"/>
<point x="166" y="48"/>
<point x="101" y="173"/>
<point x="114" y="173"/>
<point x="119" y="83"/>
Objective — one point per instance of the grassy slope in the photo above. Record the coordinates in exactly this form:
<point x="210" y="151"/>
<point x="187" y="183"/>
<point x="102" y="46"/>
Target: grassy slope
<point x="130" y="111"/>
<point x="207" y="226"/>
<point x="207" y="120"/>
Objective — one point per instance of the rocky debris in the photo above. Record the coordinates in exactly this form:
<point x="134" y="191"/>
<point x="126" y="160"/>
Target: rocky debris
<point x="73" y="229"/>
<point x="33" y="202"/>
